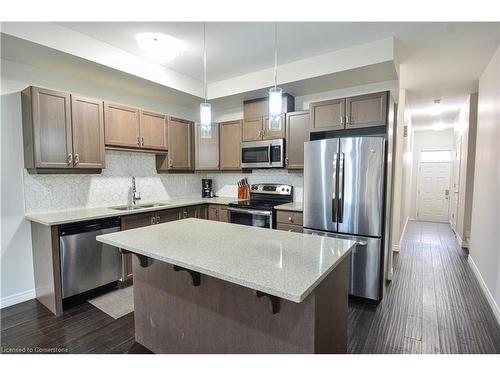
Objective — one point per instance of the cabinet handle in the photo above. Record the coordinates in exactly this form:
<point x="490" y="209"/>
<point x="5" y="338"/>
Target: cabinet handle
<point x="152" y="220"/>
<point x="348" y="119"/>
<point x="286" y="161"/>
<point x="170" y="163"/>
<point x="70" y="159"/>
<point x="290" y="218"/>
<point x="77" y="159"/>
<point x="157" y="220"/>
<point x="341" y="120"/>
<point x="142" y="141"/>
<point x="138" y="141"/>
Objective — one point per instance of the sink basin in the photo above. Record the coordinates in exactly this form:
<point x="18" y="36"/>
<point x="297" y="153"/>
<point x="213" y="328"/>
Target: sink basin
<point x="138" y="206"/>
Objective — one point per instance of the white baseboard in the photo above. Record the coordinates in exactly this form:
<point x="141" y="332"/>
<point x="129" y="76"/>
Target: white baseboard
<point x="395" y="248"/>
<point x="484" y="288"/>
<point x="17" y="298"/>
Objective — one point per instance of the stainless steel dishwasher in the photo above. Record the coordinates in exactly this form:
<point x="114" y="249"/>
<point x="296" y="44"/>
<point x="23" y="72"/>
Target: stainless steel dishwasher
<point x="85" y="263"/>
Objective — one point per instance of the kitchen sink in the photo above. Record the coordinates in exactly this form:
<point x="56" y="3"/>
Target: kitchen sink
<point x="139" y="206"/>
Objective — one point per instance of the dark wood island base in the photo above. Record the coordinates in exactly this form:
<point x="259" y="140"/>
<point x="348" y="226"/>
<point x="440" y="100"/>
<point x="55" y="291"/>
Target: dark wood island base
<point x="173" y="315"/>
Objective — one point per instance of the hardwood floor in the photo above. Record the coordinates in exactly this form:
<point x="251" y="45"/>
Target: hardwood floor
<point x="433" y="305"/>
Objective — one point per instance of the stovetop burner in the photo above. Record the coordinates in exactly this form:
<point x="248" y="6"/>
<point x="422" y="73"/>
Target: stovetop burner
<point x="266" y="196"/>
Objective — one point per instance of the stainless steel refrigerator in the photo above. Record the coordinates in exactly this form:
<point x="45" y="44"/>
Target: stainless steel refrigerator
<point x="344" y="197"/>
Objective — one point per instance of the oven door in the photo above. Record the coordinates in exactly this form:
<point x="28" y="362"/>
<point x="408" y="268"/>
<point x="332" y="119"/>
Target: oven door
<point x="262" y="154"/>
<point x="253" y="218"/>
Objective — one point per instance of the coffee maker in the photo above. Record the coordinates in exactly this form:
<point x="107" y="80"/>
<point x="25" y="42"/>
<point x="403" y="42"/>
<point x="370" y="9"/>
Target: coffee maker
<point x="206" y="188"/>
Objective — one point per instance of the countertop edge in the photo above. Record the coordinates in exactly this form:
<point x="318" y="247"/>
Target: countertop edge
<point x="293" y="298"/>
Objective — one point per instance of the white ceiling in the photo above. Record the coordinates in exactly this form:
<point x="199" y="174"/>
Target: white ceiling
<point x="438" y="60"/>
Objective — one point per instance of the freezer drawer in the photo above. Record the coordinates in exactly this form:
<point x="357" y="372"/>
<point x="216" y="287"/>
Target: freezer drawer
<point x="85" y="263"/>
<point x="365" y="277"/>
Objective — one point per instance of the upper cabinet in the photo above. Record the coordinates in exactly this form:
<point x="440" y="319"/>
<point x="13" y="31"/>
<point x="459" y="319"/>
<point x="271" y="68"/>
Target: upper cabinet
<point x="121" y="126"/>
<point x="133" y="128"/>
<point x="366" y="110"/>
<point x="297" y="132"/>
<point x="349" y="113"/>
<point x="88" y="132"/>
<point x="153" y="129"/>
<point x="180" y="144"/>
<point x="230" y="145"/>
<point x="61" y="131"/>
<point x="255" y="125"/>
<point x="327" y="115"/>
<point x="206" y="149"/>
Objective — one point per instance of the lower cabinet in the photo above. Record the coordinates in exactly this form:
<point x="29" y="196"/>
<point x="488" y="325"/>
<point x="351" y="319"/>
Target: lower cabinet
<point x="290" y="221"/>
<point x="198" y="212"/>
<point x="218" y="213"/>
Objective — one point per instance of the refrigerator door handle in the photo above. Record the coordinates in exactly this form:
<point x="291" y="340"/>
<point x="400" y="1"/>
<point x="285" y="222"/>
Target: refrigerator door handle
<point x="341" y="187"/>
<point x="334" y="188"/>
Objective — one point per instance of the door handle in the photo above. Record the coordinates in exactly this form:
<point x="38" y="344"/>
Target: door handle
<point x="69" y="160"/>
<point x="341" y="187"/>
<point x="334" y="188"/>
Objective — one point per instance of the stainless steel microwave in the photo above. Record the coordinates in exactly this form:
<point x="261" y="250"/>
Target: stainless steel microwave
<point x="263" y="154"/>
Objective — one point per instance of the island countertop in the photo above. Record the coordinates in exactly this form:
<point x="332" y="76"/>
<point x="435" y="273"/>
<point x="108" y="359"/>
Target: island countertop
<point x="283" y="264"/>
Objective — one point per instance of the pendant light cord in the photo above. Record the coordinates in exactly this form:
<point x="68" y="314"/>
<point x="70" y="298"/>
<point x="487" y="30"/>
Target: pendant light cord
<point x="275" y="54"/>
<point x="205" y="59"/>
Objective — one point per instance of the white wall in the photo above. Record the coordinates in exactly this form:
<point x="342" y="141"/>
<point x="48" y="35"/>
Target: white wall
<point x="407" y="173"/>
<point x="427" y="140"/>
<point x="17" y="282"/>
<point x="485" y="228"/>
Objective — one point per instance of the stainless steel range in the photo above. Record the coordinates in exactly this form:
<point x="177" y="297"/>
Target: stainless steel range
<point x="258" y="211"/>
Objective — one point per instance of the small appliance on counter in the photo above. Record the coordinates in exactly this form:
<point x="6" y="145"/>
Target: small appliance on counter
<point x="257" y="210"/>
<point x="206" y="188"/>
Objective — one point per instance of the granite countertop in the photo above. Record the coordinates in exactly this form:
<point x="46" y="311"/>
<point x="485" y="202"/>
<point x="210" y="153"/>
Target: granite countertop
<point x="292" y="206"/>
<point x="283" y="264"/>
<point x="72" y="216"/>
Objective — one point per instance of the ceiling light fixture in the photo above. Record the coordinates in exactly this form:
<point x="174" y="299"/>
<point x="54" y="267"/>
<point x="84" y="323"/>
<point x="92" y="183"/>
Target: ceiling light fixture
<point x="437" y="109"/>
<point x="275" y="93"/>
<point x="205" y="108"/>
<point x="161" y="48"/>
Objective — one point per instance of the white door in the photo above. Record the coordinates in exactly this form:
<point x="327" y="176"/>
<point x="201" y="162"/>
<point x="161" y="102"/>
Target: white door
<point x="456" y="184"/>
<point x="434" y="191"/>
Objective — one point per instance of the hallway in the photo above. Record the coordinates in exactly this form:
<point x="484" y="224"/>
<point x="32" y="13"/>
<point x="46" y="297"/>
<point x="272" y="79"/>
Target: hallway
<point x="433" y="305"/>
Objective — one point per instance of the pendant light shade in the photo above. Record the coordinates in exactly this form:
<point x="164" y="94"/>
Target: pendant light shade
<point x="275" y="93"/>
<point x="205" y="108"/>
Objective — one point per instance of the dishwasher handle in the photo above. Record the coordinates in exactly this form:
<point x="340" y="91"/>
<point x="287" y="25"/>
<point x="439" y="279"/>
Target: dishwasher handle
<point x="89" y="226"/>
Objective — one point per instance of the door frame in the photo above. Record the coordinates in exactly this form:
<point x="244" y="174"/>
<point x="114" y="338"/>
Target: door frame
<point x="418" y="179"/>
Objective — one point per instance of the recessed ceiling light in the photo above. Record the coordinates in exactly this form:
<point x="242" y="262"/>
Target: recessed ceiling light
<point x="437" y="109"/>
<point x="161" y="48"/>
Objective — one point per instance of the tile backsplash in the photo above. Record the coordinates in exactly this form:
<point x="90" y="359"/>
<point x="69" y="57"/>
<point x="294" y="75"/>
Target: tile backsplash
<point x="45" y="193"/>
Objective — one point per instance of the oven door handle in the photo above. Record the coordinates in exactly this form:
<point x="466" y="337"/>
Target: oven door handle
<point x="269" y="155"/>
<point x="252" y="212"/>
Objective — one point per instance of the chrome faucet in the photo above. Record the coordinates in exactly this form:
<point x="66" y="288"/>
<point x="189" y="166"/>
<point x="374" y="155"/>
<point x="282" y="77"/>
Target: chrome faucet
<point x="133" y="195"/>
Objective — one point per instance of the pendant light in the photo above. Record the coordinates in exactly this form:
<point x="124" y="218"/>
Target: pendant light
<point x="275" y="93"/>
<point x="205" y="108"/>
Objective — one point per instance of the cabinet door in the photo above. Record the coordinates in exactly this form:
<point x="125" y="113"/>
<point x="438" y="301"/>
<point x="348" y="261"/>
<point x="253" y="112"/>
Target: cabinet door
<point x="207" y="149"/>
<point x="230" y="145"/>
<point x="255" y="108"/>
<point x="297" y="132"/>
<point x="213" y="213"/>
<point x="180" y="141"/>
<point x="188" y="212"/>
<point x="153" y="130"/>
<point x="121" y="126"/>
<point x="252" y="129"/>
<point x="290" y="228"/>
<point x="327" y="115"/>
<point x="168" y="215"/>
<point x="274" y="134"/>
<point x="202" y="212"/>
<point x="366" y="110"/>
<point x="88" y="132"/>
<point x="52" y="129"/>
<point x="131" y="222"/>
<point x="224" y="214"/>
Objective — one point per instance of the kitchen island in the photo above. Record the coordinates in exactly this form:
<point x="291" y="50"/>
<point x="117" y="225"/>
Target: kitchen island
<point x="210" y="287"/>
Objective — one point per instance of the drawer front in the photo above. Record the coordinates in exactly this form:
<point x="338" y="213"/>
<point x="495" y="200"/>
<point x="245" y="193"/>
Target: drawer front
<point x="289" y="217"/>
<point x="289" y="228"/>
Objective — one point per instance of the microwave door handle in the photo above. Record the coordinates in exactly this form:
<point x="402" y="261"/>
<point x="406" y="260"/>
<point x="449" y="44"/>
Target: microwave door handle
<point x="334" y="188"/>
<point x="341" y="187"/>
